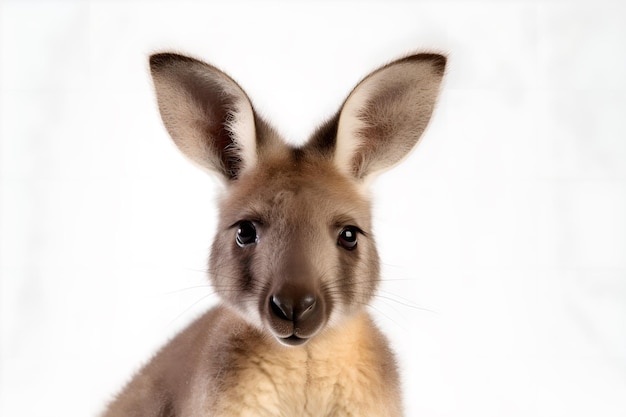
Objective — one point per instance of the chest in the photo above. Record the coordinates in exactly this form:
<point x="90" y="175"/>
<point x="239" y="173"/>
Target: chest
<point x="306" y="387"/>
<point x="336" y="379"/>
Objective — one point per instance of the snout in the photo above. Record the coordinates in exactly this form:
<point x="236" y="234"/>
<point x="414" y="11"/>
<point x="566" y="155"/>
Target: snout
<point x="295" y="314"/>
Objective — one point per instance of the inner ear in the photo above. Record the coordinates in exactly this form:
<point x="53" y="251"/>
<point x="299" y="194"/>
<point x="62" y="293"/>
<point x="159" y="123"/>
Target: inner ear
<point x="384" y="117"/>
<point x="206" y="113"/>
<point x="219" y="114"/>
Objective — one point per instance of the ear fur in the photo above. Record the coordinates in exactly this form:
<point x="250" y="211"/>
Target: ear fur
<point x="206" y="113"/>
<point x="385" y="115"/>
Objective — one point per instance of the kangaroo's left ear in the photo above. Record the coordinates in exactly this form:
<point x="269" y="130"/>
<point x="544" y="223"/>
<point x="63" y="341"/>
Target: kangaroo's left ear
<point x="385" y="115"/>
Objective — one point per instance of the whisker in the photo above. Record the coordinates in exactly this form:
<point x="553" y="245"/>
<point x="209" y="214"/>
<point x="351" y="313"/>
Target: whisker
<point x="403" y="301"/>
<point x="390" y="299"/>
<point x="397" y="279"/>
<point x="195" y="287"/>
<point x="189" y="308"/>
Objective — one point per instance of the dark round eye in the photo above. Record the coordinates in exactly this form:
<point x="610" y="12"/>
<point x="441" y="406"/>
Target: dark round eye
<point x="347" y="237"/>
<point x="246" y="234"/>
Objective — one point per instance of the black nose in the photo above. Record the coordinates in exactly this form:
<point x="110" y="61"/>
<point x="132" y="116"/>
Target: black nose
<point x="293" y="308"/>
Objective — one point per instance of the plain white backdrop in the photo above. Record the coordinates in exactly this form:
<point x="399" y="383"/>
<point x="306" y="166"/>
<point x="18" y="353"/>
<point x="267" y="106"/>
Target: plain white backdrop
<point x="503" y="236"/>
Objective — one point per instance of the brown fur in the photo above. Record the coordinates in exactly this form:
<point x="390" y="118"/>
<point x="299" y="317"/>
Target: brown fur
<point x="292" y="337"/>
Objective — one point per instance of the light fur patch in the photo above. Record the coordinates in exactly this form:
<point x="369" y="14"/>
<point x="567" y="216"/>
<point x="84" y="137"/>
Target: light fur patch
<point x="348" y="140"/>
<point x="240" y="123"/>
<point x="336" y="374"/>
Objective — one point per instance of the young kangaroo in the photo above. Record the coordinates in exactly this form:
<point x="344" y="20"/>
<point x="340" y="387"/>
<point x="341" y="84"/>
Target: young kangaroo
<point x="293" y="260"/>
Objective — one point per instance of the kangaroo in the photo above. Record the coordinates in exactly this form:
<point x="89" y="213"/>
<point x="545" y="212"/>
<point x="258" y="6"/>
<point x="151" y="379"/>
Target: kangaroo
<point x="293" y="259"/>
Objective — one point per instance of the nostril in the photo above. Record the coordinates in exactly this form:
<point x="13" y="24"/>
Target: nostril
<point x="282" y="308"/>
<point x="305" y="307"/>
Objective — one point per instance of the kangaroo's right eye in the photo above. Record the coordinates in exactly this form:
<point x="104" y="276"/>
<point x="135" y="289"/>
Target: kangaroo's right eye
<point x="246" y="234"/>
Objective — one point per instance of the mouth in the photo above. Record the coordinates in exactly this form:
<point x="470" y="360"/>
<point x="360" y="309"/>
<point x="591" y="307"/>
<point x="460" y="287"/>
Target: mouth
<point x="293" y="340"/>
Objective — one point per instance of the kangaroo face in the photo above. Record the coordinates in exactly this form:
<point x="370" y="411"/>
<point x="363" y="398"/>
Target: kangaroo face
<point x="294" y="251"/>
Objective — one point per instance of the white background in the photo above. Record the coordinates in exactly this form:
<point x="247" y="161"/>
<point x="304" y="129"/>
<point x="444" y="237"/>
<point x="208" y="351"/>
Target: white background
<point x="503" y="236"/>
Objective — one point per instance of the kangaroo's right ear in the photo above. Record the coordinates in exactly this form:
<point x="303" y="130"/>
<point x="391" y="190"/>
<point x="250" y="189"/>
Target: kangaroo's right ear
<point x="206" y="113"/>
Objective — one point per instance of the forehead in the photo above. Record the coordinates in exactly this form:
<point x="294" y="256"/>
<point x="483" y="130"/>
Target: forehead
<point x="292" y="189"/>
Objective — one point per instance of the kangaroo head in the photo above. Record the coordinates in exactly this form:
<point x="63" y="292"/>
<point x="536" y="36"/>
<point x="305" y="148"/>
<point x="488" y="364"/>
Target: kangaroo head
<point x="294" y="252"/>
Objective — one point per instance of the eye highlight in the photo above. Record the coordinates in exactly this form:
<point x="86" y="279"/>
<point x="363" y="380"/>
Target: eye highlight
<point x="246" y="234"/>
<point x="348" y="237"/>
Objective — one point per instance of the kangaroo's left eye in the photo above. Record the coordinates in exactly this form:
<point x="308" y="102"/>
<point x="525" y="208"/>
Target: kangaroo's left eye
<point x="347" y="237"/>
<point x="246" y="234"/>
